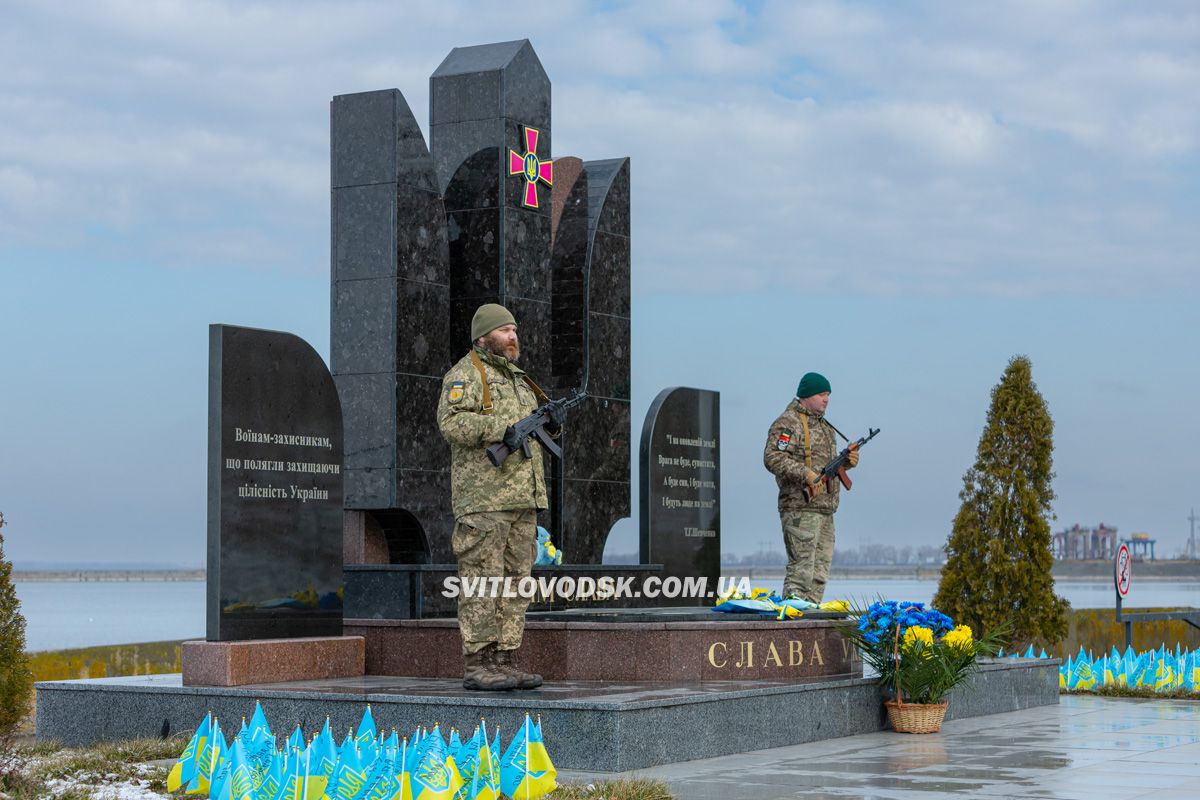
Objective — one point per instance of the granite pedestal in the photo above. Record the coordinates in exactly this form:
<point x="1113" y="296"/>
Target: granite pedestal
<point x="621" y="645"/>
<point x="238" y="663"/>
<point x="604" y="727"/>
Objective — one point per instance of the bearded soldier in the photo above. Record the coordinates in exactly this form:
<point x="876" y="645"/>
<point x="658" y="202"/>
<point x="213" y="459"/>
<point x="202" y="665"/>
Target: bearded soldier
<point x="495" y="509"/>
<point x="799" y="443"/>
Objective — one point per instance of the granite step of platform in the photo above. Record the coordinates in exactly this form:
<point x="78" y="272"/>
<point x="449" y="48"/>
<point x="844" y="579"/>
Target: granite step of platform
<point x="604" y="727"/>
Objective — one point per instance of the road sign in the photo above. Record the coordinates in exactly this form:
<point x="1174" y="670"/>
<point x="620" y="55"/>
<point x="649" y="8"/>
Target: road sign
<point x="1121" y="575"/>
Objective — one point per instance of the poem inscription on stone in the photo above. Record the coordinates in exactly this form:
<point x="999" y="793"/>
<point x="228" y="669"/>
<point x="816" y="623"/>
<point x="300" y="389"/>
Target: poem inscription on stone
<point x="681" y="485"/>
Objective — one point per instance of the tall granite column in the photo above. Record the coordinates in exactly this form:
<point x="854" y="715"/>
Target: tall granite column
<point x="390" y="331"/>
<point x="487" y="104"/>
<point x="591" y="332"/>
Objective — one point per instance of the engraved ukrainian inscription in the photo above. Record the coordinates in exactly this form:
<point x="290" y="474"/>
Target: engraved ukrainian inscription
<point x="275" y="488"/>
<point x="681" y="485"/>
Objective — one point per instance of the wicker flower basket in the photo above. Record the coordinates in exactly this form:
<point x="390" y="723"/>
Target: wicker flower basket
<point x="915" y="717"/>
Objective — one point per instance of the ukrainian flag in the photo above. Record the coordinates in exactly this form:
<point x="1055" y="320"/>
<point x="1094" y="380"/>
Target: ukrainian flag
<point x="467" y="758"/>
<point x="366" y="728"/>
<point x="1106" y="673"/>
<point x="259" y="720"/>
<point x="1085" y="677"/>
<point x="209" y="760"/>
<point x="273" y="777"/>
<point x="526" y="771"/>
<point x="183" y="769"/>
<point x="436" y="776"/>
<point x="323" y="753"/>
<point x="349" y="778"/>
<point x="242" y="782"/>
<point x="484" y="780"/>
<point x="403" y="779"/>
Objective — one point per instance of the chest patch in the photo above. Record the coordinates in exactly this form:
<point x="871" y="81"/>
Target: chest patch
<point x="784" y="440"/>
<point x="455" y="393"/>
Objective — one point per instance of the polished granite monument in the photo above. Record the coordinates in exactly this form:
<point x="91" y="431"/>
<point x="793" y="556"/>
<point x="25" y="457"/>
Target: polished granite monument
<point x="424" y="235"/>
<point x="274" y="488"/>
<point x="680" y="484"/>
<point x="275" y="579"/>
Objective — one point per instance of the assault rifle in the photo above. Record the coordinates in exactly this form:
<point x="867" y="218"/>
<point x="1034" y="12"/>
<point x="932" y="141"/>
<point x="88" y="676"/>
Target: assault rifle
<point x="520" y="432"/>
<point x="837" y="467"/>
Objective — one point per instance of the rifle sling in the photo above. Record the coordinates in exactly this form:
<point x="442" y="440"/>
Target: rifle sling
<point x="487" y="394"/>
<point x="807" y="441"/>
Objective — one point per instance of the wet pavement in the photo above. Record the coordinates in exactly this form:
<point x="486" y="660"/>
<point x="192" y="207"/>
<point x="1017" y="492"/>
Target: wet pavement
<point x="1085" y="748"/>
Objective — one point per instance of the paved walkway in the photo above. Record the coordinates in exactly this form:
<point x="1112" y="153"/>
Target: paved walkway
<point x="1085" y="748"/>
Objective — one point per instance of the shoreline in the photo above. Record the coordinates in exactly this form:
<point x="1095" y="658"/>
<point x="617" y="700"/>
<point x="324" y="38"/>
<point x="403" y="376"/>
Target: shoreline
<point x="107" y="575"/>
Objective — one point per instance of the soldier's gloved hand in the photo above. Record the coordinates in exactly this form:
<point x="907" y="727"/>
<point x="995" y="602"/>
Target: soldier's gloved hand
<point x="557" y="414"/>
<point x="511" y="440"/>
<point x="852" y="456"/>
<point x="813" y="482"/>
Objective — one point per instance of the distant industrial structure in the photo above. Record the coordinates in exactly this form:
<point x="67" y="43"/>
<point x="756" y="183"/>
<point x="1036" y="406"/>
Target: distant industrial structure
<point x="1078" y="543"/>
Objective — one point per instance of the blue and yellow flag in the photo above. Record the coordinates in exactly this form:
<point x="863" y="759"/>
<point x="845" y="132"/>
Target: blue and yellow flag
<point x="526" y="771"/>
<point x="272" y="779"/>
<point x="366" y="728"/>
<point x="323" y="753"/>
<point x="242" y="782"/>
<point x="259" y="721"/>
<point x="485" y="782"/>
<point x="209" y="760"/>
<point x="1084" y="674"/>
<point x="349" y="779"/>
<point x="436" y="777"/>
<point x="185" y="768"/>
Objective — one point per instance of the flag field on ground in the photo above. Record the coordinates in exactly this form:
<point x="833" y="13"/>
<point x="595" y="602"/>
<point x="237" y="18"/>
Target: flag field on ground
<point x="369" y="765"/>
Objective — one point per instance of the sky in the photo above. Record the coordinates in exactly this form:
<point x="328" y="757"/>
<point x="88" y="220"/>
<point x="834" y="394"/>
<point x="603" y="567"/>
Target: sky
<point x="899" y="196"/>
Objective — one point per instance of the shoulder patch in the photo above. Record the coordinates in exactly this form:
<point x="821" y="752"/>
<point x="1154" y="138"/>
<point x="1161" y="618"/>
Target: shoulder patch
<point x="455" y="393"/>
<point x="784" y="440"/>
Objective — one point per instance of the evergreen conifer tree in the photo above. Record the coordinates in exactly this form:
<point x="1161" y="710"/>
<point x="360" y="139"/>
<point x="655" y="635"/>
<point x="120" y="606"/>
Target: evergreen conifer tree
<point x="16" y="681"/>
<point x="998" y="555"/>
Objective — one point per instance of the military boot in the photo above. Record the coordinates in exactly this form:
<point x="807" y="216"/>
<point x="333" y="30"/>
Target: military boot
<point x="503" y="659"/>
<point x="479" y="673"/>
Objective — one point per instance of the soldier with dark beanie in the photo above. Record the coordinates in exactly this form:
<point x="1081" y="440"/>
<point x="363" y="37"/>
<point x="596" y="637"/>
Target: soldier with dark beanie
<point x="495" y="509"/>
<point x="800" y="442"/>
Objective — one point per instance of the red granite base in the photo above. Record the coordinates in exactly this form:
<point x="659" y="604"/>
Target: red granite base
<point x="596" y="651"/>
<point x="272" y="660"/>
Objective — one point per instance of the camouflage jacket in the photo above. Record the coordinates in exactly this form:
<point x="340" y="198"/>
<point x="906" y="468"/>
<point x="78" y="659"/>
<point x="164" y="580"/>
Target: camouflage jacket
<point x="784" y="455"/>
<point x="476" y="485"/>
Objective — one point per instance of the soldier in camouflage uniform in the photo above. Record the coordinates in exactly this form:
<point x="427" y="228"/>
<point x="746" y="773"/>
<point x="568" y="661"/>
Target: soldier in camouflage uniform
<point x="495" y="534"/>
<point x="800" y="442"/>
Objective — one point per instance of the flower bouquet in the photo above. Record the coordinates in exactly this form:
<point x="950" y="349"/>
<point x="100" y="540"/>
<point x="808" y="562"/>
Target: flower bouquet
<point x="920" y="655"/>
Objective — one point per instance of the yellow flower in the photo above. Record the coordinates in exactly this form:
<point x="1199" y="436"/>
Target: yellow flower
<point x="919" y="634"/>
<point x="961" y="638"/>
<point x="834" y="605"/>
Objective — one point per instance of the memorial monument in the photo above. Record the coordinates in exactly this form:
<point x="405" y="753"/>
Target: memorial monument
<point x="421" y="235"/>
<point x="420" y="238"/>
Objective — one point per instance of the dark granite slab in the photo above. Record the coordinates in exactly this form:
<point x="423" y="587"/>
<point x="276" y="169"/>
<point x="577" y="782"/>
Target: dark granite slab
<point x="275" y="488"/>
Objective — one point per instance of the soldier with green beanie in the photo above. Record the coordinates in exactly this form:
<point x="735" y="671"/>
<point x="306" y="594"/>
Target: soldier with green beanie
<point x="495" y="509"/>
<point x="800" y="442"/>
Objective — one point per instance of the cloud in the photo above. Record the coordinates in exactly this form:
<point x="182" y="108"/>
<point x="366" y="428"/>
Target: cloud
<point x="1023" y="150"/>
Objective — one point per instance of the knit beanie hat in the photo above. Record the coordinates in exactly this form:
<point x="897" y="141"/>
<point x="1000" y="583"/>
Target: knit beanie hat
<point x="812" y="383"/>
<point x="489" y="317"/>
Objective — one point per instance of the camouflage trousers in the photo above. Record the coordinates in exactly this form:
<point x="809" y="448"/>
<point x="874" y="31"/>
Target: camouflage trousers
<point x="808" y="538"/>
<point x="494" y="544"/>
